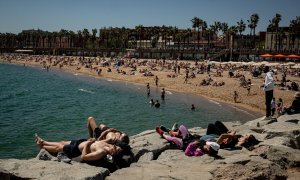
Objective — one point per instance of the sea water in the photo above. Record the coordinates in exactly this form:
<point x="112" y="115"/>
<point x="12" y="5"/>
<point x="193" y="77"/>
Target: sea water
<point x="56" y="105"/>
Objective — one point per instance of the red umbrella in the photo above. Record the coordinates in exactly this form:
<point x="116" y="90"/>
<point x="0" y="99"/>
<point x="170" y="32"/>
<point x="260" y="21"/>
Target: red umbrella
<point x="293" y="56"/>
<point x="279" y="56"/>
<point x="266" y="55"/>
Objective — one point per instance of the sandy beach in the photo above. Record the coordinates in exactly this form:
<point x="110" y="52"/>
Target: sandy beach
<point x="133" y="71"/>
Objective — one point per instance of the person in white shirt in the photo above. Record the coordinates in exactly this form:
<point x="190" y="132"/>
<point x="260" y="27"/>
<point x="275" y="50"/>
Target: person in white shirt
<point x="268" y="88"/>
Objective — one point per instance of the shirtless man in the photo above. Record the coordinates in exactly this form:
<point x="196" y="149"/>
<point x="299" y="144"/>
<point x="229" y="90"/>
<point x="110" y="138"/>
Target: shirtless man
<point x="102" y="132"/>
<point x="88" y="150"/>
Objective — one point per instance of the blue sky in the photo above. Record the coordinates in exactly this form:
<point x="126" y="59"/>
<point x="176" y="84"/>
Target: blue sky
<point x="53" y="15"/>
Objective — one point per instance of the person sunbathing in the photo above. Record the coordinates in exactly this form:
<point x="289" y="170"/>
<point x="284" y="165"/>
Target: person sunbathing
<point x="103" y="132"/>
<point x="229" y="138"/>
<point x="191" y="145"/>
<point x="87" y="149"/>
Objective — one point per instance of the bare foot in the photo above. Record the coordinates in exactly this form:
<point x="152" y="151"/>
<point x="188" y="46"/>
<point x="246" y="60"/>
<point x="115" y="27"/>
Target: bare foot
<point x="39" y="141"/>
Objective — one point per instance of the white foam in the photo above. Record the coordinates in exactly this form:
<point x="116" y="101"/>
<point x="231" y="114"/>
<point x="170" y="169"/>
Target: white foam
<point x="169" y="92"/>
<point x="87" y="91"/>
<point x="215" y="102"/>
<point x="110" y="80"/>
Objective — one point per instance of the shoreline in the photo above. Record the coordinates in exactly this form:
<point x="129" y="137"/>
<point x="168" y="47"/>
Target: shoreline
<point x="238" y="106"/>
<point x="254" y="102"/>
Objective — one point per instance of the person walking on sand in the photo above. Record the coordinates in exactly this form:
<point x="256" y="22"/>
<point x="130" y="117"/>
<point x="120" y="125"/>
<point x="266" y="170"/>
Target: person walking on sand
<point x="156" y="80"/>
<point x="268" y="88"/>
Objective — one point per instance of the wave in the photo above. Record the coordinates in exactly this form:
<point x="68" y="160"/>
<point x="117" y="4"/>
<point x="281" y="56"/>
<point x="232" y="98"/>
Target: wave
<point x="110" y="80"/>
<point x="215" y="102"/>
<point x="87" y="91"/>
<point x="169" y="92"/>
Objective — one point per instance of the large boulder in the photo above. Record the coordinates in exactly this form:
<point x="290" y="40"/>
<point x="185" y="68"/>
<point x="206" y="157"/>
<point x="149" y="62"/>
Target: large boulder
<point x="277" y="156"/>
<point x="40" y="169"/>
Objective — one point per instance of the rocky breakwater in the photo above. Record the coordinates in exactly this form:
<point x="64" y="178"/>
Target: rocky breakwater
<point x="277" y="156"/>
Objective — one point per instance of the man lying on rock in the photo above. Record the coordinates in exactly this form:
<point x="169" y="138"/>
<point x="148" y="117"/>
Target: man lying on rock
<point x="87" y="149"/>
<point x="103" y="132"/>
<point x="103" y="141"/>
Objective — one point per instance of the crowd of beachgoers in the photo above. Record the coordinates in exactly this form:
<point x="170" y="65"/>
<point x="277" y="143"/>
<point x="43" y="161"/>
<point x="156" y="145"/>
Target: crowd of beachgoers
<point x="237" y="83"/>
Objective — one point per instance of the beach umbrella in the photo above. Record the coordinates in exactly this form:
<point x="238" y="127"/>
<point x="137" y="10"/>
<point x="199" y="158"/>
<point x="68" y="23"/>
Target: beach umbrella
<point x="280" y="56"/>
<point x="293" y="56"/>
<point x="266" y="55"/>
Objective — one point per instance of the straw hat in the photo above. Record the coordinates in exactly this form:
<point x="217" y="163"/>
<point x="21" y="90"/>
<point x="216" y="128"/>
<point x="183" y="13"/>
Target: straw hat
<point x="297" y="95"/>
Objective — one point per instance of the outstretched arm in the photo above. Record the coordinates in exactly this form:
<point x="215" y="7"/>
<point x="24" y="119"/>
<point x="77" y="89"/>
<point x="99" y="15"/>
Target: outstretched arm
<point x="223" y="137"/>
<point x="104" y="133"/>
<point x="97" y="155"/>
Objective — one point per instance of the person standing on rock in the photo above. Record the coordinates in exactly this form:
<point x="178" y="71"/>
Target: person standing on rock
<point x="268" y="88"/>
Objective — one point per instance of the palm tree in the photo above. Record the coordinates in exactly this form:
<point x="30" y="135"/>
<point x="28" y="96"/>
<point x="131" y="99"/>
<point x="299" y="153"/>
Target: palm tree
<point x="200" y="25"/>
<point x="276" y="21"/>
<point x="72" y="37"/>
<point x="224" y="29"/>
<point x="62" y="34"/>
<point x="139" y="30"/>
<point x="86" y="36"/>
<point x="271" y="29"/>
<point x="241" y="28"/>
<point x="208" y="33"/>
<point x="254" y="18"/>
<point x="232" y="31"/>
<point x="94" y="34"/>
<point x="295" y="30"/>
